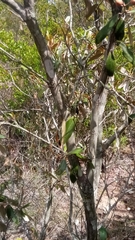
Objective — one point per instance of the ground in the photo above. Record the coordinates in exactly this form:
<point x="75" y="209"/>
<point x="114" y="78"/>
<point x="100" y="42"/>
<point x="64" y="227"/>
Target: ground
<point x="115" y="203"/>
<point x="116" y="208"/>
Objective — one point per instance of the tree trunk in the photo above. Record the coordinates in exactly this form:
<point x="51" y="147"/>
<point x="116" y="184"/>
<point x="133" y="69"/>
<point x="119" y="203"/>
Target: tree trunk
<point x="87" y="193"/>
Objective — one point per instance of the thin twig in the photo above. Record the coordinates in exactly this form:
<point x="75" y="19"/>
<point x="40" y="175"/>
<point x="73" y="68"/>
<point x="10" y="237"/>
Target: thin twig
<point x="17" y="86"/>
<point x="16" y="125"/>
<point x="104" y="189"/>
<point x="14" y="59"/>
<point x="120" y="196"/>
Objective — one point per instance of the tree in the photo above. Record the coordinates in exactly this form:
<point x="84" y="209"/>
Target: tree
<point x="86" y="177"/>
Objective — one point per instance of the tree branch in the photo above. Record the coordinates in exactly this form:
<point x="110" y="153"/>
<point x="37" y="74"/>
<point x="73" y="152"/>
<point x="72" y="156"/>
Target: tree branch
<point x="96" y="128"/>
<point x="16" y="125"/>
<point x="14" y="59"/>
<point x="111" y="139"/>
<point x="29" y="5"/>
<point x="17" y="7"/>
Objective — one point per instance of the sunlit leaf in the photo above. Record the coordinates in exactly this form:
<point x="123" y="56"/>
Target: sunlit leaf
<point x="127" y="52"/>
<point x="77" y="152"/>
<point x="70" y="127"/>
<point x="24" y="68"/>
<point x="26" y="219"/>
<point x="22" y="215"/>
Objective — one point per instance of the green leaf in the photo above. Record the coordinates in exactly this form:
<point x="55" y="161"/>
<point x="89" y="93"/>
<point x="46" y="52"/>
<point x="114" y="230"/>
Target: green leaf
<point x="70" y="127"/>
<point x="106" y="29"/>
<point x="2" y="198"/>
<point x="131" y="117"/>
<point x="110" y="64"/>
<point x="2" y="136"/>
<point x="74" y="170"/>
<point x="126" y="1"/>
<point x="61" y="168"/>
<point x="127" y="52"/>
<point x="25" y="206"/>
<point x="73" y="178"/>
<point x="102" y="233"/>
<point x="77" y="152"/>
<point x="10" y="212"/>
<point x="119" y="31"/>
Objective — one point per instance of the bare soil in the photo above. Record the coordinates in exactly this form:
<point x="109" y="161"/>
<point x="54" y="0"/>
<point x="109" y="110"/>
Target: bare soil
<point x="115" y="203"/>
